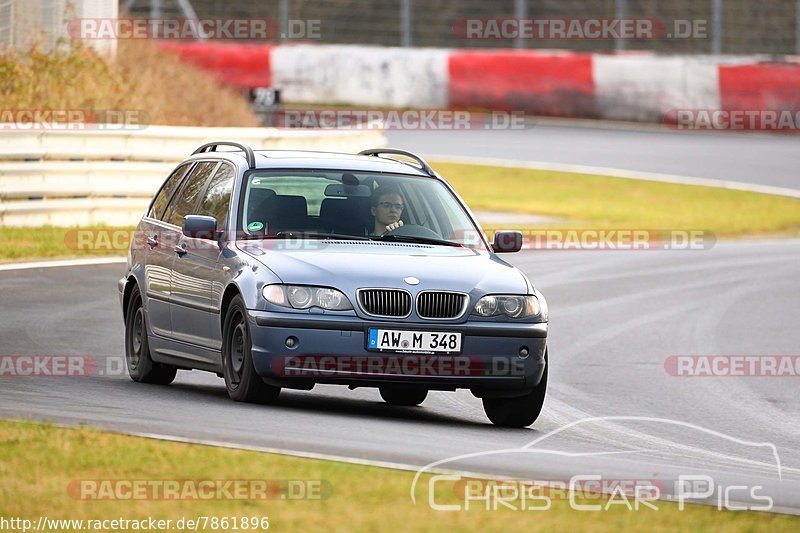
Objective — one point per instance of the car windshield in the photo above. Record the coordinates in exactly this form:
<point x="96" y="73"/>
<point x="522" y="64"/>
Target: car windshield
<point x="349" y="204"/>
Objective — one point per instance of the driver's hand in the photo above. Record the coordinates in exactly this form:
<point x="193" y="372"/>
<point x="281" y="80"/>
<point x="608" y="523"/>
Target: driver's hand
<point x="394" y="225"/>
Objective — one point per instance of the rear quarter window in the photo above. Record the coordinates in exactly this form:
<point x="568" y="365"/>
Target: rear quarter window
<point x="312" y="188"/>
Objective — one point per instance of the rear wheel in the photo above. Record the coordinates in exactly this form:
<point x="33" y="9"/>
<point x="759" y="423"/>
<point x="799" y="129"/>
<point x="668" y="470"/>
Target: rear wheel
<point x="241" y="379"/>
<point x="141" y="366"/>
<point x="518" y="412"/>
<point x="403" y="396"/>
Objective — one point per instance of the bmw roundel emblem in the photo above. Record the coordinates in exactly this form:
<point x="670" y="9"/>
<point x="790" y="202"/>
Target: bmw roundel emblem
<point x="411" y="280"/>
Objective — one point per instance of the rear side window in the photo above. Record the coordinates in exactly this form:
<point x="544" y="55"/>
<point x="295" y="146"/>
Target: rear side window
<point x="186" y="199"/>
<point x="163" y="196"/>
<point x="218" y="195"/>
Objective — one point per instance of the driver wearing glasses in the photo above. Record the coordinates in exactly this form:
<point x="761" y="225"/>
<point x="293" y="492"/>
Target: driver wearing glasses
<point x="387" y="207"/>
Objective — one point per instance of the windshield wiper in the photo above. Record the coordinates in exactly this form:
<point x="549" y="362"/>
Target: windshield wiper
<point x="419" y="240"/>
<point x="315" y="235"/>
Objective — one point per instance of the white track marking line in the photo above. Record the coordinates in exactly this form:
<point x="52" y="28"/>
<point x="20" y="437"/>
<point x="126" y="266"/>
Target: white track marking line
<point x="63" y="263"/>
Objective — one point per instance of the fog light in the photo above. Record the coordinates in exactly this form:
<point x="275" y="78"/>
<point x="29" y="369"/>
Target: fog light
<point x="523" y="352"/>
<point x="292" y="342"/>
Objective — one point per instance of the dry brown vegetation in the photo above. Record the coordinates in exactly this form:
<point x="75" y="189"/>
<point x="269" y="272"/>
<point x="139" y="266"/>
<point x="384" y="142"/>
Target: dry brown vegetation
<point x="142" y="79"/>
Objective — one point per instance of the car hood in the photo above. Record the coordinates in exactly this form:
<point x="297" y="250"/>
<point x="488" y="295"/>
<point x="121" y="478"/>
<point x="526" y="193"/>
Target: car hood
<point x="352" y="265"/>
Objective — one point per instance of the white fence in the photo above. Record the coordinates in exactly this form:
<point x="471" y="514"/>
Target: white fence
<point x="68" y="178"/>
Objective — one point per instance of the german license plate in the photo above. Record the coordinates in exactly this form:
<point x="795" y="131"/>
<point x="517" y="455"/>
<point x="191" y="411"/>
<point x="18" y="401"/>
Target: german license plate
<point x="404" y="341"/>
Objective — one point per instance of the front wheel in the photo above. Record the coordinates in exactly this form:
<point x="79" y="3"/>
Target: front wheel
<point x="241" y="379"/>
<point x="521" y="411"/>
<point x="403" y="396"/>
<point x="141" y="366"/>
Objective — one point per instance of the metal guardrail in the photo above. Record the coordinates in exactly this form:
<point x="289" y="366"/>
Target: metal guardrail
<point x="77" y="178"/>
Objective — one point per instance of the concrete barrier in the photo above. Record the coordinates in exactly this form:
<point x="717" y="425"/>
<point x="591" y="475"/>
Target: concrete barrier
<point x="361" y="75"/>
<point x="536" y="82"/>
<point x="628" y="86"/>
<point x="645" y="88"/>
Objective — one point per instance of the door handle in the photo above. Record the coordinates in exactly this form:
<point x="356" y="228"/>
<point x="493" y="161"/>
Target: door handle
<point x="152" y="242"/>
<point x="180" y="250"/>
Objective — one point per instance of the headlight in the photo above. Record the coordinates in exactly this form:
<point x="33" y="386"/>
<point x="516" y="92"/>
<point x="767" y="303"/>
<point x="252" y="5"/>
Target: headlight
<point x="300" y="297"/>
<point x="304" y="297"/>
<point x="512" y="306"/>
<point x="486" y="306"/>
<point x="544" y="312"/>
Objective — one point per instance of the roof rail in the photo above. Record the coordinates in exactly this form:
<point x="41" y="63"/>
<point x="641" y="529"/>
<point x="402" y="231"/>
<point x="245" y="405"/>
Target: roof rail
<point x="378" y="151"/>
<point x="212" y="147"/>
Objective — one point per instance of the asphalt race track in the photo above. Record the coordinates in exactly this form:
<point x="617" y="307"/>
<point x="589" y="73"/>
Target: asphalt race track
<point x="615" y="318"/>
<point x="763" y="159"/>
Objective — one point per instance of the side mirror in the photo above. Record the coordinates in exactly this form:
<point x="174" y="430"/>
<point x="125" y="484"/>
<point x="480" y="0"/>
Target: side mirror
<point x="200" y="227"/>
<point x="506" y="242"/>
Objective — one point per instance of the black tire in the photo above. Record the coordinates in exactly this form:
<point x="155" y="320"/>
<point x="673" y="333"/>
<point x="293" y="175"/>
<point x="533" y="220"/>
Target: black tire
<point x="407" y="397"/>
<point x="141" y="366"/>
<point x="241" y="379"/>
<point x="521" y="411"/>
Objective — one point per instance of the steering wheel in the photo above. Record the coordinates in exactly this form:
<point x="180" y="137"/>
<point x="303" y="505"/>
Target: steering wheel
<point x="413" y="230"/>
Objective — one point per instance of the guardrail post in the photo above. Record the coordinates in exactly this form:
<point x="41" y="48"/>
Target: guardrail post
<point x="405" y="23"/>
<point x="8" y="7"/>
<point x="716" y="27"/>
<point x="620" y="12"/>
<point x="283" y="14"/>
<point x="521" y="12"/>
<point x="797" y="28"/>
<point x="155" y="9"/>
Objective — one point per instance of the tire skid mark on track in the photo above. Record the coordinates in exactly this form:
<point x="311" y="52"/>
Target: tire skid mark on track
<point x="736" y="394"/>
<point x="622" y="437"/>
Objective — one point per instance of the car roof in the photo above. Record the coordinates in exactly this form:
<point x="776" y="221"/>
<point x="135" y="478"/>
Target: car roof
<point x="305" y="159"/>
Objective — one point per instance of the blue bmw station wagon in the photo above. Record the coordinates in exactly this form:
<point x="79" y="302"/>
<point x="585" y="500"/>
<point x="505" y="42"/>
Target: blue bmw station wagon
<point x="284" y="269"/>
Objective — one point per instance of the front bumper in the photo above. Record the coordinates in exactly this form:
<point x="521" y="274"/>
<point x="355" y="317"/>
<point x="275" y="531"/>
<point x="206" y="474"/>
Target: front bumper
<point x="332" y="349"/>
